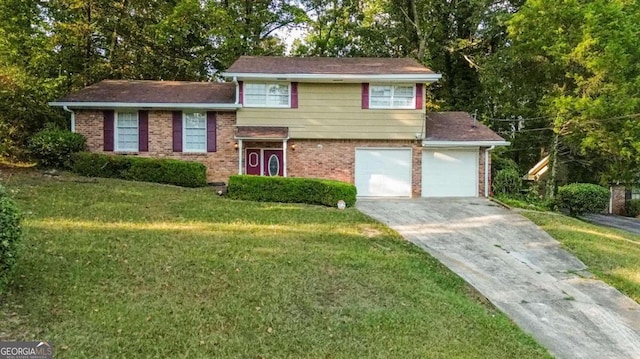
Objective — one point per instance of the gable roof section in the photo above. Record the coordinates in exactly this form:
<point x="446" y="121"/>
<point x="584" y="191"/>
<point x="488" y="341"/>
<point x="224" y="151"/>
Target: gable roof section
<point x="152" y="94"/>
<point x="458" y="129"/>
<point x="330" y="68"/>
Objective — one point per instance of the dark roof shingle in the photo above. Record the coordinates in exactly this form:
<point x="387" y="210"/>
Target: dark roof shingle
<point x="135" y="91"/>
<point x="257" y="132"/>
<point x="327" y="65"/>
<point x="457" y="126"/>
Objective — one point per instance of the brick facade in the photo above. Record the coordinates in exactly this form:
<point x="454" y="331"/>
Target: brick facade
<point x="332" y="159"/>
<point x="481" y="173"/>
<point x="220" y="164"/>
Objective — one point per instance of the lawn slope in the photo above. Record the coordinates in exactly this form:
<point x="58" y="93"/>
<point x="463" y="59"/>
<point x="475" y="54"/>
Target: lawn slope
<point x="131" y="270"/>
<point x="612" y="255"/>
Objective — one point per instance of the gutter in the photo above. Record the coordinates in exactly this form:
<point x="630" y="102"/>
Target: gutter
<point x="235" y="81"/>
<point x="149" y="105"/>
<point x="445" y="144"/>
<point x="336" y="77"/>
<point x="73" y="118"/>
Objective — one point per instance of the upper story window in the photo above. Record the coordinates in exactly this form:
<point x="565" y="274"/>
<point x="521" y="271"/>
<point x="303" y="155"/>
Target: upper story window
<point x="270" y="94"/>
<point x="392" y="96"/>
<point x="195" y="132"/>
<point x="126" y="131"/>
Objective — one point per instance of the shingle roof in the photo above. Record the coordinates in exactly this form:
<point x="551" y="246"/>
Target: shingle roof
<point x="457" y="126"/>
<point x="257" y="132"/>
<point x="326" y="65"/>
<point x="130" y="91"/>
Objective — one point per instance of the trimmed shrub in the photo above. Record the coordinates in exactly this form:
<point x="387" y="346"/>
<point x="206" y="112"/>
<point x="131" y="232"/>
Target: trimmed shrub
<point x="10" y="232"/>
<point x="633" y="208"/>
<point x="53" y="147"/>
<point x="177" y="172"/>
<point x="144" y="169"/>
<point x="291" y="190"/>
<point x="507" y="181"/>
<point x="580" y="198"/>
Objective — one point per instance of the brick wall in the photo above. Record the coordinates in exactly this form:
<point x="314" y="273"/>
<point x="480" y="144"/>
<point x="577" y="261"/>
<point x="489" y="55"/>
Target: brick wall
<point x="220" y="164"/>
<point x="335" y="159"/>
<point x="481" y="167"/>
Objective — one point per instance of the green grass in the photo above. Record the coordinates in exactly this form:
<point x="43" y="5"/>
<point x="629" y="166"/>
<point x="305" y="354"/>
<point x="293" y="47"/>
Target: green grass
<point x="132" y="270"/>
<point x="612" y="255"/>
<point x="526" y="202"/>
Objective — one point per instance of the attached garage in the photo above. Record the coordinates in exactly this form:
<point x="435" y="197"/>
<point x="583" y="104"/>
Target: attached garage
<point x="383" y="172"/>
<point x="450" y="172"/>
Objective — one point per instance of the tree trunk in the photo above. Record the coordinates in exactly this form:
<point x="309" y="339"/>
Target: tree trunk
<point x="553" y="162"/>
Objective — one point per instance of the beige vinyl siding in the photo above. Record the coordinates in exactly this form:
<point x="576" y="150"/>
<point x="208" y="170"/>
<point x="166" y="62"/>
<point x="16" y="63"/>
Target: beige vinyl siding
<point x="334" y="111"/>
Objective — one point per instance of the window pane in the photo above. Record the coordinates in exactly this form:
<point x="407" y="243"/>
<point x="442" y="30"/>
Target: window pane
<point x="266" y="94"/>
<point x="403" y="91"/>
<point x="127" y="131"/>
<point x="195" y="132"/>
<point x="381" y="91"/>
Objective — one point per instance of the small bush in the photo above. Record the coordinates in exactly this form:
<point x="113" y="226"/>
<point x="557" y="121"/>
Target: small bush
<point x="144" y="169"/>
<point x="177" y="172"/>
<point x="53" y="147"/>
<point x="10" y="232"/>
<point x="580" y="198"/>
<point x="291" y="190"/>
<point x="633" y="208"/>
<point x="507" y="181"/>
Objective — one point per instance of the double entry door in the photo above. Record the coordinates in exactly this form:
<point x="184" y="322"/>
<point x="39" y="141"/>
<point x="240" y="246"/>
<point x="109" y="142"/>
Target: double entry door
<point x="264" y="162"/>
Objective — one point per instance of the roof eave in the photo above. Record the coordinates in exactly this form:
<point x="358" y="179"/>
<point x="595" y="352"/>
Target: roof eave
<point x="335" y="77"/>
<point x="440" y="144"/>
<point x="145" y="105"/>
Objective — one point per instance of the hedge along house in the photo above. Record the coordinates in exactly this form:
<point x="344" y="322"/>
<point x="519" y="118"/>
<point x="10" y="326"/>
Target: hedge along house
<point x="360" y="120"/>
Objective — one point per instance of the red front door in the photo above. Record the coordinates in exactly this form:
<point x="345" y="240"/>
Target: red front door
<point x="264" y="162"/>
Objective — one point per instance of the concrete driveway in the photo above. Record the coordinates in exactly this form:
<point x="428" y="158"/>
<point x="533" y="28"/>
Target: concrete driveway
<point x="522" y="271"/>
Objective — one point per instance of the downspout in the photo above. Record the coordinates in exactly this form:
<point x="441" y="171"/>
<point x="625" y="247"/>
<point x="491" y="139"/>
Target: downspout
<point x="486" y="170"/>
<point x="235" y="81"/>
<point x="73" y="118"/>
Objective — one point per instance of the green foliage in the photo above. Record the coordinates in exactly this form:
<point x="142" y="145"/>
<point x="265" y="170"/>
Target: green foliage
<point x="10" y="233"/>
<point x="507" y="181"/>
<point x="580" y="198"/>
<point x="53" y="147"/>
<point x="144" y="169"/>
<point x="633" y="208"/>
<point x="291" y="190"/>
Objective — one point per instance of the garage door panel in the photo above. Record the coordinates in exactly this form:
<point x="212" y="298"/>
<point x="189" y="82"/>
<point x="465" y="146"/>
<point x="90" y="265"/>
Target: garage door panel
<point x="383" y="172"/>
<point x="449" y="173"/>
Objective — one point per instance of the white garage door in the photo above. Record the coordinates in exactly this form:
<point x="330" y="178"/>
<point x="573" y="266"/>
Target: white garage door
<point x="449" y="173"/>
<point x="383" y="172"/>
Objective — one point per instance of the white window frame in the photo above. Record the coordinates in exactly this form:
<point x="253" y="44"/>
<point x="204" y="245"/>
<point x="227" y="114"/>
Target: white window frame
<point x="635" y="192"/>
<point x="266" y="105"/>
<point x="184" y="132"/>
<point x="116" y="132"/>
<point x="411" y="106"/>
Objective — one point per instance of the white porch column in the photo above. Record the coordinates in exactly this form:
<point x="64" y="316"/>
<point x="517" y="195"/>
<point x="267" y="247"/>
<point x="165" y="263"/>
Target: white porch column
<point x="284" y="157"/>
<point x="239" y="156"/>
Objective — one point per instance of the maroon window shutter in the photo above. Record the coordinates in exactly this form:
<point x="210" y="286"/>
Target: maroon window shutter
<point x="211" y="131"/>
<point x="177" y="131"/>
<point x="108" y="130"/>
<point x="240" y="93"/>
<point x="419" y="96"/>
<point x="365" y="95"/>
<point x="143" y="131"/>
<point x="294" y="95"/>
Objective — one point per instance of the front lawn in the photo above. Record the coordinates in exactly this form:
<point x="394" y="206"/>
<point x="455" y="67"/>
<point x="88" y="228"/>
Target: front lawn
<point x="116" y="269"/>
<point x="611" y="254"/>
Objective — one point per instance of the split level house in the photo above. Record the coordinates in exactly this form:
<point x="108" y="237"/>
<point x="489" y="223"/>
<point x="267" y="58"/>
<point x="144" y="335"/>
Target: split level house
<point x="359" y="120"/>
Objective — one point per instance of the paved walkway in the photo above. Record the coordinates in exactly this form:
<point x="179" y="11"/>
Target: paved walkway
<point x="522" y="271"/>
<point x="625" y="223"/>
